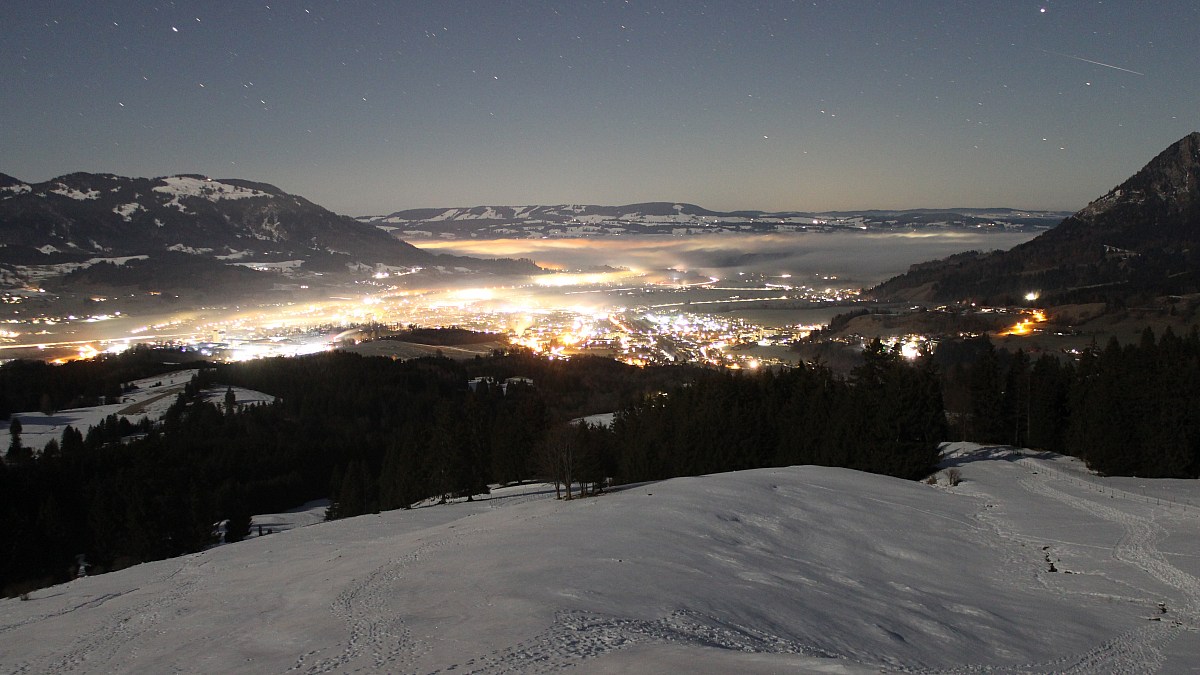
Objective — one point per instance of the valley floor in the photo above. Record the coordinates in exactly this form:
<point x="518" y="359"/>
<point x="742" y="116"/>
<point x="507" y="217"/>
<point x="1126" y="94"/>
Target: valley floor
<point x="1029" y="565"/>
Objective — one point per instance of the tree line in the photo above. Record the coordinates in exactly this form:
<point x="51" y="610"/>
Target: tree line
<point x="371" y="433"/>
<point x="886" y="418"/>
<point x="27" y="385"/>
<point x="1127" y="410"/>
<point x="374" y="434"/>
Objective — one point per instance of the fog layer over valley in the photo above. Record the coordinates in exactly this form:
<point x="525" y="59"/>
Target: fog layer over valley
<point x="619" y="272"/>
<point x="855" y="258"/>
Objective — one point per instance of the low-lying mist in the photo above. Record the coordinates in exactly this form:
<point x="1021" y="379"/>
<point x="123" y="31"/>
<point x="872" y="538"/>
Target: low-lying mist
<point x="855" y="258"/>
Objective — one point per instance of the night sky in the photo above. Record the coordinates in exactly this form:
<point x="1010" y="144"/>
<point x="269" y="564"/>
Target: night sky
<point x="370" y="107"/>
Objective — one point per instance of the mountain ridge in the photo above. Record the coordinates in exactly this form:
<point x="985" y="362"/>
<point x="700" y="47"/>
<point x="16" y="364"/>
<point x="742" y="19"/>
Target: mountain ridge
<point x="209" y="226"/>
<point x="90" y="214"/>
<point x="678" y="218"/>
<point x="1140" y="239"/>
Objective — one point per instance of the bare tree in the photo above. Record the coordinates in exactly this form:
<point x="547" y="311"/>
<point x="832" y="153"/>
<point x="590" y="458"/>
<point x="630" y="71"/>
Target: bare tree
<point x="557" y="458"/>
<point x="953" y="477"/>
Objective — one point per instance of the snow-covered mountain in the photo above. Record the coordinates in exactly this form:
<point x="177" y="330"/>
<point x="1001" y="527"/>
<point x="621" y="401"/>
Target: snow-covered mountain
<point x="1031" y="564"/>
<point x="185" y="229"/>
<point x="576" y="220"/>
<point x="101" y="214"/>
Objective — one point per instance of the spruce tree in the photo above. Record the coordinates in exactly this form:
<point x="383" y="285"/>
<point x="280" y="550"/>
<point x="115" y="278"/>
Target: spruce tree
<point x="986" y="419"/>
<point x="237" y="526"/>
<point x="1015" y="403"/>
<point x="17" y="452"/>
<point x="1049" y="392"/>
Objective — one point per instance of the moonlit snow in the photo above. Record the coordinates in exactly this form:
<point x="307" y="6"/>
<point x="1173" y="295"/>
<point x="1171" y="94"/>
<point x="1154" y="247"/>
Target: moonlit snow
<point x="1029" y="565"/>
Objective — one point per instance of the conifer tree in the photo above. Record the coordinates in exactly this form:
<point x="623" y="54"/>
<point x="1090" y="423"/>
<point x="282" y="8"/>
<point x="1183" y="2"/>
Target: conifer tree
<point x="1050" y="384"/>
<point x="71" y="441"/>
<point x="237" y="526"/>
<point x="17" y="452"/>
<point x="986" y="419"/>
<point x="1016" y="401"/>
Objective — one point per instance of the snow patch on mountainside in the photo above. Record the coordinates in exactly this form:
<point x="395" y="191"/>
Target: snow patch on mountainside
<point x="14" y="190"/>
<point x="117" y="261"/>
<point x="282" y="266"/>
<point x="180" y="248"/>
<point x="127" y="211"/>
<point x="180" y="187"/>
<point x="72" y="193"/>
<point x="207" y="188"/>
<point x="42" y="272"/>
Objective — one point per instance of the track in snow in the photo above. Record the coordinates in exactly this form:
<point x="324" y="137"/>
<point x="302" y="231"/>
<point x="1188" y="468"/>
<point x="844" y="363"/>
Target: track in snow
<point x="576" y="636"/>
<point x="118" y="637"/>
<point x="1139" y="650"/>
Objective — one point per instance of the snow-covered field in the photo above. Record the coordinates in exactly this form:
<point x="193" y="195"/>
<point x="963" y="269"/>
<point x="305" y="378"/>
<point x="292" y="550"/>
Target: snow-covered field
<point x="150" y="397"/>
<point x="1029" y="565"/>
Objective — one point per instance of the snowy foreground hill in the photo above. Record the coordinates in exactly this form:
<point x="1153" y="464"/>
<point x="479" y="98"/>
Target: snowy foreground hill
<point x="1029" y="565"/>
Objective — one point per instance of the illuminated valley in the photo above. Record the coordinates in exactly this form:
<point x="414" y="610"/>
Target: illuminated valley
<point x="643" y="300"/>
<point x="636" y="317"/>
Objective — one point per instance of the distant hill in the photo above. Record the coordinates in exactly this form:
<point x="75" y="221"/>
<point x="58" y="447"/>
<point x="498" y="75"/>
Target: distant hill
<point x="577" y="220"/>
<point x="99" y="214"/>
<point x="1140" y="240"/>
<point x="152" y="230"/>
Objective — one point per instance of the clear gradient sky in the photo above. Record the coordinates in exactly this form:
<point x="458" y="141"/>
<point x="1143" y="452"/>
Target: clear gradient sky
<point x="371" y="107"/>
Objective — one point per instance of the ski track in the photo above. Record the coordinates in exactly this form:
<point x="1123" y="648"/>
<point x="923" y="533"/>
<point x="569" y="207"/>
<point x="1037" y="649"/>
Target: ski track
<point x="1139" y="650"/>
<point x="576" y="636"/>
<point x="94" y="650"/>
<point x="379" y="640"/>
<point x="87" y="604"/>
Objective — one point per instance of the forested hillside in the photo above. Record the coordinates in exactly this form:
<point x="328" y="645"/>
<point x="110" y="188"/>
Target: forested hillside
<point x="1127" y="410"/>
<point x="374" y="434"/>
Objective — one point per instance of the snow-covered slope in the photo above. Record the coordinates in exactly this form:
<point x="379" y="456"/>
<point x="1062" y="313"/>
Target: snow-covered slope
<point x="800" y="569"/>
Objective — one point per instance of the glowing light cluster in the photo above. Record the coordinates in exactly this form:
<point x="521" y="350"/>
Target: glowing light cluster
<point x="1028" y="324"/>
<point x="618" y="313"/>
